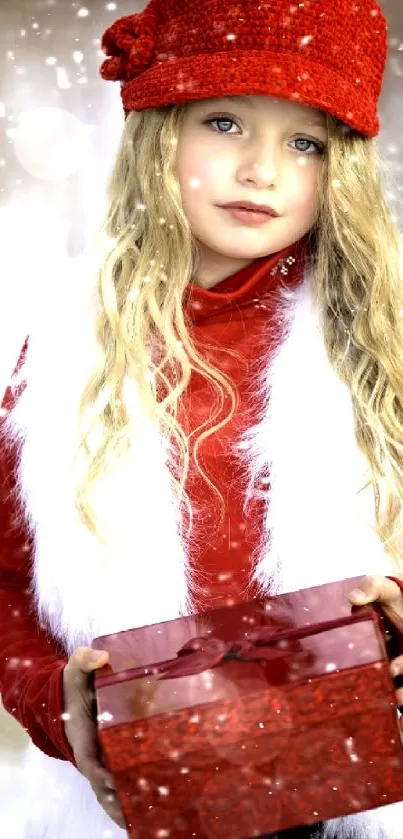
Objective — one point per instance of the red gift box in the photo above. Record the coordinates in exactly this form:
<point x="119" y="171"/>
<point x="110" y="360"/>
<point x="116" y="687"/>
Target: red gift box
<point x="251" y="719"/>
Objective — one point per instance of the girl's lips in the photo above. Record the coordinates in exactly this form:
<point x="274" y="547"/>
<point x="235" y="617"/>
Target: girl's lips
<point x="251" y="217"/>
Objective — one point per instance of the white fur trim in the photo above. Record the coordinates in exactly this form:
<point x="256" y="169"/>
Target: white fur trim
<point x="69" y="809"/>
<point x="383" y="823"/>
<point x="81" y="589"/>
<point x="318" y="529"/>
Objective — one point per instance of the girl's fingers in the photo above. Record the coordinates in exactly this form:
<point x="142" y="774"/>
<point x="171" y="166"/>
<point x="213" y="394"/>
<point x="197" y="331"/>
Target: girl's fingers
<point x="396" y="669"/>
<point x="383" y="591"/>
<point x="396" y="666"/>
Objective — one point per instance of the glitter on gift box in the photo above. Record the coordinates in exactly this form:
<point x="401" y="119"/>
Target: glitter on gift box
<point x="304" y="727"/>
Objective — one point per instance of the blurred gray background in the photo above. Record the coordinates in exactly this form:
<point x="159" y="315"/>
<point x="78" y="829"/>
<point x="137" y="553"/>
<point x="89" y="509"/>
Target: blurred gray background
<point x="59" y="128"/>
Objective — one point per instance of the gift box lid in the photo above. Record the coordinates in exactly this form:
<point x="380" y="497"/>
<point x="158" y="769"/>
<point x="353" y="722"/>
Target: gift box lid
<point x="236" y="651"/>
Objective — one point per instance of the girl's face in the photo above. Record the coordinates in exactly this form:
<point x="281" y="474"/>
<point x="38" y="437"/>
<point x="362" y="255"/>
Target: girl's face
<point x="248" y="148"/>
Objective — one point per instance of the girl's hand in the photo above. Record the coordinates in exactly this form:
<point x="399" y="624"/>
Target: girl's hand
<point x="81" y="727"/>
<point x="390" y="597"/>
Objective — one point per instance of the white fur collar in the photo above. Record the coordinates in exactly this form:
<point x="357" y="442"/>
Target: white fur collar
<point x="316" y="530"/>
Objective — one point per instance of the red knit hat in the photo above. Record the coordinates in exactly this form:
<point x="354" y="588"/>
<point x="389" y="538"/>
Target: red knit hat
<point x="330" y="55"/>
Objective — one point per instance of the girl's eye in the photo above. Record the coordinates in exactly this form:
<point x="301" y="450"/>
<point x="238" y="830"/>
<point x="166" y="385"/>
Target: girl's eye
<point x="222" y="120"/>
<point x="226" y="120"/>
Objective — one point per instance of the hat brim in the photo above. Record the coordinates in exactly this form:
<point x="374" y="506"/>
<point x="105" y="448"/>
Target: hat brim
<point x="255" y="73"/>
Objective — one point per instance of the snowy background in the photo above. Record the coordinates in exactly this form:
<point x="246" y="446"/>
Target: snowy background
<point x="59" y="129"/>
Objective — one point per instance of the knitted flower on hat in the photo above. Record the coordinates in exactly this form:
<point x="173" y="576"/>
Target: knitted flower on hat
<point x="130" y="42"/>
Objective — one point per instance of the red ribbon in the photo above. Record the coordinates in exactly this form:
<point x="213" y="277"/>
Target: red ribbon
<point x="206" y="652"/>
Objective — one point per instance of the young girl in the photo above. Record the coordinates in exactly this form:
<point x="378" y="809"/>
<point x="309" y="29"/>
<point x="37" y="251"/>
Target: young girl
<point x="215" y="410"/>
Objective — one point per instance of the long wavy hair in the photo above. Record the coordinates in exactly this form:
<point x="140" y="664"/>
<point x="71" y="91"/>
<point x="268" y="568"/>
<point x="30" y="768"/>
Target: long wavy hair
<point x="142" y="329"/>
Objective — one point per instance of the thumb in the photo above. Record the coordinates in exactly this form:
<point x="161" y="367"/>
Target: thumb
<point x="90" y="660"/>
<point x="372" y="589"/>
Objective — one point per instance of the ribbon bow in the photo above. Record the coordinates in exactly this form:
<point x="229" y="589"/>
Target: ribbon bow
<point x="130" y="42"/>
<point x="206" y="652"/>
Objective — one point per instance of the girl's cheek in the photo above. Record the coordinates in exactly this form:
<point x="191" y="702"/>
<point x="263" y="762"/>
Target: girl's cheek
<point x="212" y="168"/>
<point x="301" y="190"/>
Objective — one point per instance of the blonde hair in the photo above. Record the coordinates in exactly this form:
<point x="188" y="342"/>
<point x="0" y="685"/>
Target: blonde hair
<point x="142" y="330"/>
<point x="358" y="271"/>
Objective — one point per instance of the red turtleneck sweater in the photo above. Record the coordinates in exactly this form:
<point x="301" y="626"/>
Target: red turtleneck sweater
<point x="237" y="313"/>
